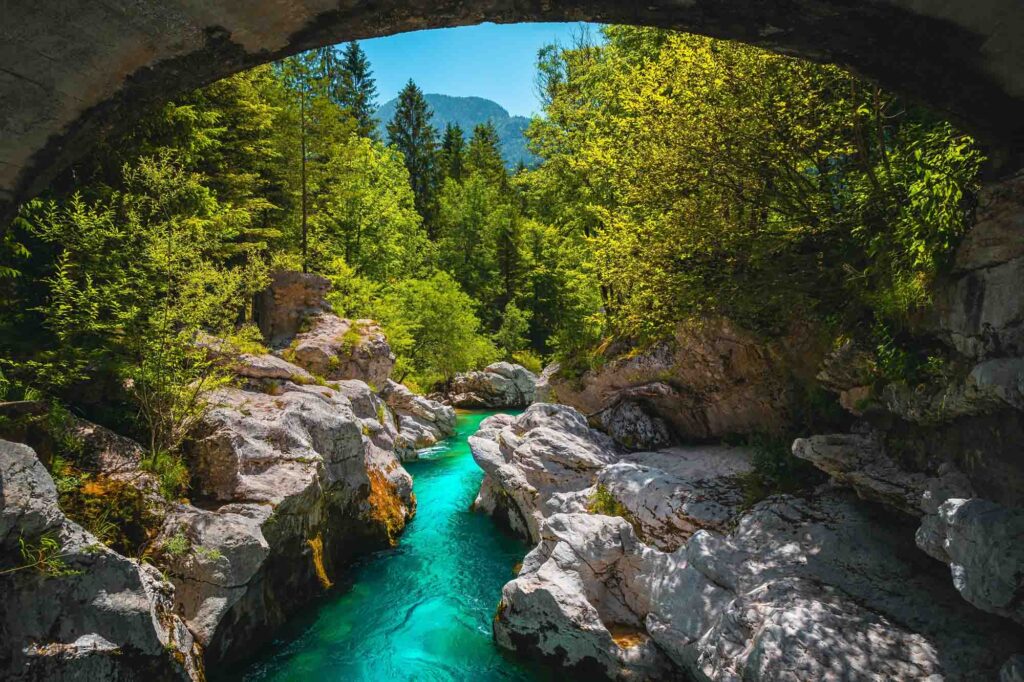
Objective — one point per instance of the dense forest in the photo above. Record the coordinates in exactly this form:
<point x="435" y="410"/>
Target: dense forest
<point x="681" y="177"/>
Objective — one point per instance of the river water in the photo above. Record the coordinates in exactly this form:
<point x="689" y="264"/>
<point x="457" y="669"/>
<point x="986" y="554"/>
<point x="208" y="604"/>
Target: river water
<point x="421" y="611"/>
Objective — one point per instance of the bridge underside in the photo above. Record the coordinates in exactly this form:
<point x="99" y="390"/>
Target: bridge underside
<point x="72" y="71"/>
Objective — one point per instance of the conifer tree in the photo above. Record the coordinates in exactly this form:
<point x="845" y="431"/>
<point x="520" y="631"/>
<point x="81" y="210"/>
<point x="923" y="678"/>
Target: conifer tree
<point x="453" y="151"/>
<point x="484" y="154"/>
<point x="356" y="90"/>
<point x="411" y="132"/>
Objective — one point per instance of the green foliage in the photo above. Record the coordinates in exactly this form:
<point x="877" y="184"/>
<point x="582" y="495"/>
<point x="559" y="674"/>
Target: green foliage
<point x="602" y="501"/>
<point x="177" y="545"/>
<point x="412" y="134"/>
<point x="529" y="360"/>
<point x="712" y="178"/>
<point x="171" y="472"/>
<point x="45" y="556"/>
<point x="354" y="89"/>
<point x="511" y="335"/>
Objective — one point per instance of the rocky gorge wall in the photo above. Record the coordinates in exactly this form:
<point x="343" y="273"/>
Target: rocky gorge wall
<point x="651" y="562"/>
<point x="294" y="474"/>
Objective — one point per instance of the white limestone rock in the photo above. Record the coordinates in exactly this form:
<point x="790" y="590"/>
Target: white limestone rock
<point x="499" y="385"/>
<point x="102" y="616"/>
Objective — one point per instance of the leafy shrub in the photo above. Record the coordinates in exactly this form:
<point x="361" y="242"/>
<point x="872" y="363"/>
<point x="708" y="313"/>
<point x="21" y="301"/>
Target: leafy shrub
<point x="530" y="360"/>
<point x="602" y="501"/>
<point x="171" y="471"/>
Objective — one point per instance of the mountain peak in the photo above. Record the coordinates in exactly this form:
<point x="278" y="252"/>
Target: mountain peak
<point x="467" y="113"/>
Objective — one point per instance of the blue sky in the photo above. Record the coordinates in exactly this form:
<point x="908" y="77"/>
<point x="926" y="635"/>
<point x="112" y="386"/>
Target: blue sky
<point x="489" y="60"/>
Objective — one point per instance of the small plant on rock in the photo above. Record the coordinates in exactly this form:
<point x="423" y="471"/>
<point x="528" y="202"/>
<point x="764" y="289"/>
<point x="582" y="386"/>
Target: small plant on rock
<point x="602" y="501"/>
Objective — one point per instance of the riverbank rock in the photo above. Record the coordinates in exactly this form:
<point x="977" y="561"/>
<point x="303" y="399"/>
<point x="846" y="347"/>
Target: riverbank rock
<point x="669" y="495"/>
<point x="982" y="541"/>
<point x="544" y="461"/>
<point x="548" y="461"/>
<point x="336" y="349"/>
<point x="86" y="612"/>
<point x="422" y="422"/>
<point x="710" y="380"/>
<point x="499" y="385"/>
<point x="291" y="482"/>
<point x="802" y="589"/>
<point x="978" y="309"/>
<point x="282" y="308"/>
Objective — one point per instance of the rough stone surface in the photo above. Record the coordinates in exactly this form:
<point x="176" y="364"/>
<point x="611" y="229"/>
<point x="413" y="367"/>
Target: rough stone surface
<point x="335" y="349"/>
<point x="979" y="310"/>
<point x="632" y="427"/>
<point x="282" y="475"/>
<point x="499" y="385"/>
<point x="106" y="618"/>
<point x="671" y="494"/>
<point x="548" y="461"/>
<point x="541" y="462"/>
<point x="990" y="386"/>
<point x="421" y="422"/>
<point x="859" y="461"/>
<point x="983" y="543"/>
<point x="284" y="305"/>
<point x="802" y="589"/>
<point x="105" y="63"/>
<point x="711" y="380"/>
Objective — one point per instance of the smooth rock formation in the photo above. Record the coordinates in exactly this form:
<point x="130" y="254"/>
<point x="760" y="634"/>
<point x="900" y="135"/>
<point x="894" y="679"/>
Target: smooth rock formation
<point x="713" y="379"/>
<point x="422" y="422"/>
<point x="800" y="590"/>
<point x="337" y="349"/>
<point x="499" y="385"/>
<point x="86" y="614"/>
<point x="292" y="481"/>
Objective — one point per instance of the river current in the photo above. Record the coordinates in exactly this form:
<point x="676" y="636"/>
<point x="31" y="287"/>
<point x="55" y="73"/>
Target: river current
<point x="422" y="610"/>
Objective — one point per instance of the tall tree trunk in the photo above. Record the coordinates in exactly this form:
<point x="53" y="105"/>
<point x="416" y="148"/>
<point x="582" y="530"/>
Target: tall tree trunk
<point x="302" y="137"/>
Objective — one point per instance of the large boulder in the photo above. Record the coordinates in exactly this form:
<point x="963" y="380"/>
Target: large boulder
<point x="291" y="297"/>
<point x="799" y="590"/>
<point x="548" y="461"/>
<point x="978" y="309"/>
<point x="422" y="422"/>
<point x="712" y="379"/>
<point x="544" y="461"/>
<point x="73" y="609"/>
<point x="335" y="349"/>
<point x="294" y="482"/>
<point x="499" y="385"/>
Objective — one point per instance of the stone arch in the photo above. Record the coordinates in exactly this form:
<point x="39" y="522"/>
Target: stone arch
<point x="74" y="70"/>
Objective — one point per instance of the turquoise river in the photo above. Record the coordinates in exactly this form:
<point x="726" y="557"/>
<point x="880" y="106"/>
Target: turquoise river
<point x="420" y="611"/>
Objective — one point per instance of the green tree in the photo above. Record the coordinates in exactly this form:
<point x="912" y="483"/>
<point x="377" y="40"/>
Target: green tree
<point x="412" y="134"/>
<point x="484" y="154"/>
<point x="445" y="333"/>
<point x="357" y="90"/>
<point x="453" y="151"/>
<point x="512" y="334"/>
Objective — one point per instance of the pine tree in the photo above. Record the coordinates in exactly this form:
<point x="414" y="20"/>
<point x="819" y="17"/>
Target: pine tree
<point x="412" y="134"/>
<point x="484" y="155"/>
<point x="453" y="151"/>
<point x="356" y="90"/>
